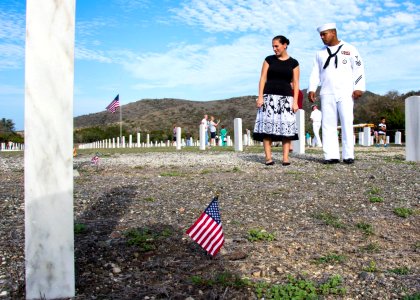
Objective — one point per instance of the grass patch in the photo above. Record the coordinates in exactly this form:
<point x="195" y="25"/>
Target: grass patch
<point x="374" y="191"/>
<point x="376" y="199"/>
<point x="371" y="268"/>
<point x="80" y="228"/>
<point x="225" y="279"/>
<point x="330" y="220"/>
<point x="403" y="212"/>
<point x="366" y="228"/>
<point x="300" y="289"/>
<point x="145" y="238"/>
<point x="255" y="235"/>
<point x="415" y="296"/>
<point x="149" y="199"/>
<point x="331" y="258"/>
<point x="400" y="271"/>
<point x="236" y="169"/>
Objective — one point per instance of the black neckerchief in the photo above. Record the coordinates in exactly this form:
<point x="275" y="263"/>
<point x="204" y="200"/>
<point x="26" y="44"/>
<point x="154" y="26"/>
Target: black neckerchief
<point x="331" y="56"/>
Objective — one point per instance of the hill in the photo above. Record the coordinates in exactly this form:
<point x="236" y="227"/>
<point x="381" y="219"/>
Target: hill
<point x="160" y="115"/>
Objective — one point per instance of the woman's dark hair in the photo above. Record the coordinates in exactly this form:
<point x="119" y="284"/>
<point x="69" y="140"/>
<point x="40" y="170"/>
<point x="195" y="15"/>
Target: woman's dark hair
<point x="282" y="39"/>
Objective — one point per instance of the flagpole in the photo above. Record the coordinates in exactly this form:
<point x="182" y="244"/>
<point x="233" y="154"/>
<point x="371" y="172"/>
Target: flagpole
<point x="120" y="123"/>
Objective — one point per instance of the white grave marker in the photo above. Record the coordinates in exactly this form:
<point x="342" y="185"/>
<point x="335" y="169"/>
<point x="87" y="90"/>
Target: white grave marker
<point x="49" y="78"/>
<point x="412" y="128"/>
<point x="237" y="126"/>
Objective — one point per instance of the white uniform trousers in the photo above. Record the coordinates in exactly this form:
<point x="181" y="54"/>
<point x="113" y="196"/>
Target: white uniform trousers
<point x="316" y="126"/>
<point x="332" y="107"/>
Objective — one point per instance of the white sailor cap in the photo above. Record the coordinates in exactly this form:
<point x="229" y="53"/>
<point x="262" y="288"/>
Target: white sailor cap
<point x="326" y="27"/>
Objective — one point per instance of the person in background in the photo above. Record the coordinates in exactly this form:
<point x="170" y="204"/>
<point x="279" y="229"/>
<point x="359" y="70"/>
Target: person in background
<point x="308" y="139"/>
<point x="382" y="133"/>
<point x="174" y="135"/>
<point x="277" y="102"/>
<point x="316" y="118"/>
<point x="339" y="70"/>
<point x="213" y="127"/>
<point x="223" y="135"/>
<point x="205" y="122"/>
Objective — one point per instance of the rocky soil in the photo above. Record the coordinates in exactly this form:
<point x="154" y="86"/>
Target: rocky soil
<point x="131" y="214"/>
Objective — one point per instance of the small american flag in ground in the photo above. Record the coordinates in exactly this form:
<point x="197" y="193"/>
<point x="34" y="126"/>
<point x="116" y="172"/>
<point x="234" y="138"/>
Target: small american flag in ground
<point x="95" y="160"/>
<point x="207" y="230"/>
<point x="112" y="107"/>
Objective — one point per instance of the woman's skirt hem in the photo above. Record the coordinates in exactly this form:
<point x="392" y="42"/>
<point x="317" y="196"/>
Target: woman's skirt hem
<point x="275" y="138"/>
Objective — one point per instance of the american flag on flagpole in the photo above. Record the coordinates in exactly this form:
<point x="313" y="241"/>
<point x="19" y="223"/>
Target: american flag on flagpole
<point x="112" y="107"/>
<point x="207" y="230"/>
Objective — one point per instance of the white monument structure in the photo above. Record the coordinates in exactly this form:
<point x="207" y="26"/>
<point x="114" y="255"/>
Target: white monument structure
<point x="49" y="77"/>
<point x="412" y="128"/>
<point x="237" y="123"/>
<point x="299" y="145"/>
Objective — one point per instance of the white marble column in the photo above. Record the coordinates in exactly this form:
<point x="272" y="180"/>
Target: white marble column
<point x="398" y="138"/>
<point x="237" y="127"/>
<point x="148" y="140"/>
<point x="49" y="78"/>
<point x="130" y="141"/>
<point x="299" y="145"/>
<point x="366" y="136"/>
<point x="412" y="128"/>
<point x="178" y="138"/>
<point x="202" y="132"/>
<point x="138" y="139"/>
<point x="361" y="138"/>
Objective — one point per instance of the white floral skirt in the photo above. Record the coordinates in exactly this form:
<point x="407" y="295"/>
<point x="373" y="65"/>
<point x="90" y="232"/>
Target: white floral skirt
<point x="276" y="119"/>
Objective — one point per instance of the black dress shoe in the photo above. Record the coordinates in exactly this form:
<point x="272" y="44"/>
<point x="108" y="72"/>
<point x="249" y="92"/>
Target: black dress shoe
<point x="270" y="163"/>
<point x="331" y="161"/>
<point x="348" y="161"/>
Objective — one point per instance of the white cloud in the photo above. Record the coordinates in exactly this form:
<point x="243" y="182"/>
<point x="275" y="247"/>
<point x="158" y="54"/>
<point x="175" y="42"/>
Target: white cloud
<point x="129" y="5"/>
<point x="83" y="53"/>
<point x="231" y="68"/>
<point x="12" y="26"/>
<point x="12" y="37"/>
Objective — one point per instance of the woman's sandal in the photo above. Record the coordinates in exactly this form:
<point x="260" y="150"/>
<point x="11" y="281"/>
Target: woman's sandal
<point x="269" y="163"/>
<point x="286" y="163"/>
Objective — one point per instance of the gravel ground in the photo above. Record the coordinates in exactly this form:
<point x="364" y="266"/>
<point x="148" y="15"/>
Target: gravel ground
<point x="326" y="220"/>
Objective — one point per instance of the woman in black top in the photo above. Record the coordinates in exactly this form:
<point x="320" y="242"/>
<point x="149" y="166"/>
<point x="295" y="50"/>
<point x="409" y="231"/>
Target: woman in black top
<point x="277" y="102"/>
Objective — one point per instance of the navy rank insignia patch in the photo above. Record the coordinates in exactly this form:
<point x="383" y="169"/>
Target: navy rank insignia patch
<point x="345" y="52"/>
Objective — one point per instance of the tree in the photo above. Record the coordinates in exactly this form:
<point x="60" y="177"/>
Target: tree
<point x="7" y="126"/>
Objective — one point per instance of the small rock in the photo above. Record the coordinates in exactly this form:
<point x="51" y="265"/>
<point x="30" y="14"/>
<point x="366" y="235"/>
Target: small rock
<point x="116" y="270"/>
<point x="236" y="255"/>
<point x="256" y="274"/>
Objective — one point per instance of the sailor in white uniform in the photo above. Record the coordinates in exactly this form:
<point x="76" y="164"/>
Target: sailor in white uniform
<point x="339" y="70"/>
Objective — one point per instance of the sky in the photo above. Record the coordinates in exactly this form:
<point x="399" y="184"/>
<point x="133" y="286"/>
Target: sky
<point x="209" y="49"/>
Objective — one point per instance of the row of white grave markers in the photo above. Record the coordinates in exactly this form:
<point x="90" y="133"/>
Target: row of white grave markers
<point x="11" y="146"/>
<point x="366" y="139"/>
